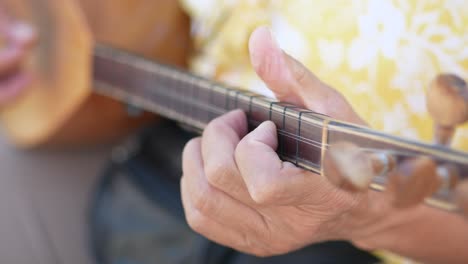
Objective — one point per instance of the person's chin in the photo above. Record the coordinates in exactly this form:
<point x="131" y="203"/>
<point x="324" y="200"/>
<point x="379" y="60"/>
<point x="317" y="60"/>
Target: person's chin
<point x="13" y="86"/>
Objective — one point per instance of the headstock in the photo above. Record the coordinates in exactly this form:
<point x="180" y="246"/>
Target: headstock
<point x="415" y="178"/>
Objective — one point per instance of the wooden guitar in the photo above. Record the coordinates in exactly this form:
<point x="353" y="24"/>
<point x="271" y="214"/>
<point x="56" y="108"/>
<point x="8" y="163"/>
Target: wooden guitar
<point x="352" y="157"/>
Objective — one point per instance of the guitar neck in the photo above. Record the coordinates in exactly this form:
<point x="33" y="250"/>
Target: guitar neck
<point x="303" y="136"/>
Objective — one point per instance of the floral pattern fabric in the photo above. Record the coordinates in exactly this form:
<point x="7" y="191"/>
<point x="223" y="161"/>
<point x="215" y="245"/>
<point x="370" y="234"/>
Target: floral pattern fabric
<point x="380" y="54"/>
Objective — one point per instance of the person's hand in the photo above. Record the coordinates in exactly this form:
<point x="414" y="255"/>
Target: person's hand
<point x="237" y="192"/>
<point x="16" y="39"/>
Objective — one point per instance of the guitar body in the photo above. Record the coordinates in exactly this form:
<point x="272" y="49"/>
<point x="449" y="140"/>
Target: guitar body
<point x="59" y="107"/>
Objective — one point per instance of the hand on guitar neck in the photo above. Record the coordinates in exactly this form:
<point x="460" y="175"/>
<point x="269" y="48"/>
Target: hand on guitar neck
<point x="230" y="175"/>
<point x="16" y="39"/>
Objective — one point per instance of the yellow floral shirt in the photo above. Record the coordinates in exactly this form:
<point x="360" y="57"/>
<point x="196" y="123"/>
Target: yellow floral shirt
<point x="380" y="54"/>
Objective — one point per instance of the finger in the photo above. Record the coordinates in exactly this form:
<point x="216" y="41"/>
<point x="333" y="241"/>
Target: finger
<point x="272" y="181"/>
<point x="213" y="203"/>
<point x="292" y="82"/>
<point x="219" y="141"/>
<point x="214" y="231"/>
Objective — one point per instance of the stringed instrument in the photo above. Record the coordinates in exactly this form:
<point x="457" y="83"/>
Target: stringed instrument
<point x="352" y="157"/>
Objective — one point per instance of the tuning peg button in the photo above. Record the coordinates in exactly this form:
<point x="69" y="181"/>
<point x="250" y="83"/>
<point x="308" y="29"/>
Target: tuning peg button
<point x="447" y="103"/>
<point x="413" y="181"/>
<point x="461" y="195"/>
<point x="448" y="174"/>
<point x="348" y="167"/>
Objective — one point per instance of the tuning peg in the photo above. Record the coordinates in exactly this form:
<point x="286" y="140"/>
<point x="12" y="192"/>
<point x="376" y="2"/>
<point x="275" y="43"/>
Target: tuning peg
<point x="350" y="168"/>
<point x="413" y="181"/>
<point x="448" y="174"/>
<point x="347" y="167"/>
<point x="461" y="195"/>
<point x="447" y="103"/>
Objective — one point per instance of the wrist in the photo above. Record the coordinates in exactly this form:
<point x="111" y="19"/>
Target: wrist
<point x="418" y="233"/>
<point x="384" y="227"/>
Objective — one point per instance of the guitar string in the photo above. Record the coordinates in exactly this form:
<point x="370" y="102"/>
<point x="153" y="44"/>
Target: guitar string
<point x="219" y="111"/>
<point x="172" y="79"/>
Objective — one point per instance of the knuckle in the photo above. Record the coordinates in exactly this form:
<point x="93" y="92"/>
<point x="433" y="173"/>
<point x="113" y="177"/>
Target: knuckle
<point x="244" y="148"/>
<point x="217" y="172"/>
<point x="252" y="247"/>
<point x="263" y="194"/>
<point x="203" y="200"/>
<point x="300" y="73"/>
<point x="215" y="126"/>
<point x="190" y="146"/>
<point x="195" y="220"/>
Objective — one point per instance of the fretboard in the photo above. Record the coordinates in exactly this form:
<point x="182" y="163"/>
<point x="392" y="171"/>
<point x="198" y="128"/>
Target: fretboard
<point x="303" y="136"/>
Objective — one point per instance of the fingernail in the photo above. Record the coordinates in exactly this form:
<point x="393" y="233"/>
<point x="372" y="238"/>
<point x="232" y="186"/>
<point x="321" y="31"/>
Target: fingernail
<point x="263" y="40"/>
<point x="273" y="39"/>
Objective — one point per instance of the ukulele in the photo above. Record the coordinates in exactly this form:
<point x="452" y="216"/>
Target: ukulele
<point x="352" y="157"/>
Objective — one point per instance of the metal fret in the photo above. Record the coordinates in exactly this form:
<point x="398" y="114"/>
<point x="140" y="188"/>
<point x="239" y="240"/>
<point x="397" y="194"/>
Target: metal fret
<point x="251" y="97"/>
<point x="235" y="96"/>
<point x="299" y="131"/>
<point x="271" y="108"/>
<point x="236" y="99"/>
<point x="226" y="94"/>
<point x="283" y="126"/>
<point x="211" y="88"/>
<point x="195" y="92"/>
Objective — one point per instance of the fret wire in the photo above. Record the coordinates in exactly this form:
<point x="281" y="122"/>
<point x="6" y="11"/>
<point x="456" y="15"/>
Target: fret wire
<point x="226" y="94"/>
<point x="251" y="97"/>
<point x="299" y="132"/>
<point x="228" y="99"/>
<point x="236" y="99"/>
<point x="271" y="108"/>
<point x="194" y="91"/>
<point x="284" y="125"/>
<point x="175" y="89"/>
<point x="172" y="102"/>
<point x="184" y="106"/>
<point x="211" y="88"/>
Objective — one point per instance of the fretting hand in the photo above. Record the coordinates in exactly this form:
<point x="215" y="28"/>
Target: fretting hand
<point x="237" y="192"/>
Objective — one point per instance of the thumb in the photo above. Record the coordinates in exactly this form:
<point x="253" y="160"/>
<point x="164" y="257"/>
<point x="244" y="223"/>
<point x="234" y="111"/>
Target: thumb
<point x="292" y="82"/>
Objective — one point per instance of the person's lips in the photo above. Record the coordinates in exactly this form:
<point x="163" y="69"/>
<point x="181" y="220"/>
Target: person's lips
<point x="13" y="80"/>
<point x="12" y="85"/>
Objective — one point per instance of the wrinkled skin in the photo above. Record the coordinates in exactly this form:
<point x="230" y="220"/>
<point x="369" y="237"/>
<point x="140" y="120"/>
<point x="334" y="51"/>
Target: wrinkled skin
<point x="237" y="192"/>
